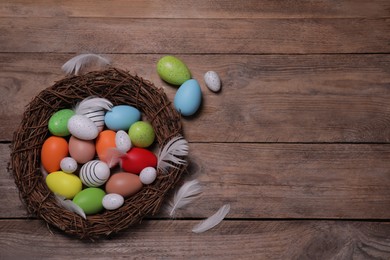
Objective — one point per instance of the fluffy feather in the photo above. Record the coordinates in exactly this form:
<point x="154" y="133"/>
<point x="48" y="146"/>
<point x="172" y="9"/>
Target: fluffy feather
<point x="70" y="205"/>
<point x="168" y="155"/>
<point x="213" y="220"/>
<point x="185" y="195"/>
<point x="92" y="103"/>
<point x="79" y="62"/>
<point x="113" y="156"/>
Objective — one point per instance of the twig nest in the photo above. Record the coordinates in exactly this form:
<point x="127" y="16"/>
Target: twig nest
<point x="121" y="88"/>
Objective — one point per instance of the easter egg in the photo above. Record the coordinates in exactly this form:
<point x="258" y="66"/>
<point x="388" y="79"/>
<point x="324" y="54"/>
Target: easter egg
<point x="137" y="159"/>
<point x="94" y="173"/>
<point x="122" y="141"/>
<point x="121" y="117"/>
<point x="82" y="127"/>
<point x="188" y="98"/>
<point x="58" y="122"/>
<point x="90" y="200"/>
<point x="141" y="134"/>
<point x="64" y="184"/>
<point x="124" y="184"/>
<point x="212" y="80"/>
<point x="81" y="150"/>
<point x="113" y="201"/>
<point x="68" y="165"/>
<point x="173" y="70"/>
<point x="54" y="149"/>
<point x="97" y="117"/>
<point x="148" y="175"/>
<point x="105" y="141"/>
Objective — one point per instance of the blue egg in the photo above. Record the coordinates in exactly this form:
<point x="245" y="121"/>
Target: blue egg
<point x="121" y="117"/>
<point x="188" y="98"/>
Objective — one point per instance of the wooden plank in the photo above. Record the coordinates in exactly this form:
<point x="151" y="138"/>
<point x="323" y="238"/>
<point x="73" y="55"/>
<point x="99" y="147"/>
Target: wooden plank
<point x="243" y="36"/>
<point x="229" y="240"/>
<point x="198" y="9"/>
<point x="270" y="98"/>
<point x="274" y="181"/>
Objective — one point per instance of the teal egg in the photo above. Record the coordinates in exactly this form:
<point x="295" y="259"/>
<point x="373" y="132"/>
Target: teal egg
<point x="173" y="70"/>
<point x="90" y="200"/>
<point x="58" y="122"/>
<point x="188" y="98"/>
<point x="121" y="117"/>
<point x="141" y="134"/>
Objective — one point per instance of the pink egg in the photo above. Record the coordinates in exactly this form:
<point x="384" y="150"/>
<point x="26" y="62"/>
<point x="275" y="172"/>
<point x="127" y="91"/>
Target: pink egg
<point x="81" y="150"/>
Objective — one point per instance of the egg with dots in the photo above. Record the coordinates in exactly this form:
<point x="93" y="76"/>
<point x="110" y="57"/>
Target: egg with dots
<point x="104" y="142"/>
<point x="54" y="149"/>
<point x="137" y="159"/>
<point x="141" y="134"/>
<point x="173" y="70"/>
<point x="124" y="183"/>
<point x="81" y="150"/>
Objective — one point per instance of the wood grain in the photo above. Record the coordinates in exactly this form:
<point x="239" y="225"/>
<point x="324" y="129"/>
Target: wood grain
<point x="275" y="181"/>
<point x="271" y="98"/>
<point x="229" y="240"/>
<point x="194" y="36"/>
<point x="202" y="9"/>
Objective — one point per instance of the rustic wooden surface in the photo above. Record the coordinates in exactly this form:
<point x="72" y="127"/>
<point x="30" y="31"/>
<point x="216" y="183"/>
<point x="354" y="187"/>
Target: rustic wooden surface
<point x="297" y="141"/>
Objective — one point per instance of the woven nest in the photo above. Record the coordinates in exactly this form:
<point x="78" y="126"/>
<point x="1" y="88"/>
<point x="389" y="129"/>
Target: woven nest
<point x="119" y="87"/>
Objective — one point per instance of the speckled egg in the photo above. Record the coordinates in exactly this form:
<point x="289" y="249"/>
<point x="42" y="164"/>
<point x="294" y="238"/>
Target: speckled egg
<point x="122" y="141"/>
<point x="173" y="70"/>
<point x="82" y="127"/>
<point x="68" y="165"/>
<point x="212" y="80"/>
<point x="148" y="175"/>
<point x="58" y="122"/>
<point x="141" y="134"/>
<point x="113" y="201"/>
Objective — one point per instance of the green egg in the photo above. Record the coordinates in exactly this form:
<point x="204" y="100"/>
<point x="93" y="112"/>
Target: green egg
<point x="58" y="122"/>
<point x="173" y="70"/>
<point x="90" y="200"/>
<point x="141" y="134"/>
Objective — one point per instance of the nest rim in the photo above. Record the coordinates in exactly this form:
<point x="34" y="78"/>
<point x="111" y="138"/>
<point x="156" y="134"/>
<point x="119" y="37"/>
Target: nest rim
<point x="120" y="87"/>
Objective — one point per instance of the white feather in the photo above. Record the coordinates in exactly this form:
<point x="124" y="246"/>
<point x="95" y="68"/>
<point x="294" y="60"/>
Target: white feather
<point x="168" y="155"/>
<point x="92" y="103"/>
<point x="70" y="205"/>
<point x="185" y="195"/>
<point x="213" y="220"/>
<point x="79" y="62"/>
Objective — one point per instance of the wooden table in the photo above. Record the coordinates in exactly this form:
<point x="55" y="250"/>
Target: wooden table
<point x="297" y="141"/>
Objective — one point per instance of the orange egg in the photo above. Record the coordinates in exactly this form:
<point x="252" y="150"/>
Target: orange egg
<point x="54" y="149"/>
<point x="105" y="141"/>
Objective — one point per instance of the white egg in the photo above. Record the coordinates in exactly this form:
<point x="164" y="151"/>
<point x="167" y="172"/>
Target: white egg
<point x="82" y="127"/>
<point x="94" y="173"/>
<point x="68" y="165"/>
<point x="122" y="141"/>
<point x="112" y="201"/>
<point x="212" y="80"/>
<point x="97" y="117"/>
<point x="148" y="175"/>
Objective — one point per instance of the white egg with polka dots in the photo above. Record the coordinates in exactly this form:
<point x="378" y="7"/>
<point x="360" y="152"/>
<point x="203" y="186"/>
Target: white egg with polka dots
<point x="148" y="175"/>
<point x="68" y="165"/>
<point x="112" y="201"/>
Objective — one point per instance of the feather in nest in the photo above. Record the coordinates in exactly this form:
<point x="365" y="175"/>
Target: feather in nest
<point x="76" y="64"/>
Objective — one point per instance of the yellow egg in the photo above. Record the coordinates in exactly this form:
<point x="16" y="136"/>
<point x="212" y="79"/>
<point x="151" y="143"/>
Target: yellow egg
<point x="64" y="184"/>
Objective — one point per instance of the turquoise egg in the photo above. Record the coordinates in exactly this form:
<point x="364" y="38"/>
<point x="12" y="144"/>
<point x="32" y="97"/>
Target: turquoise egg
<point x="121" y="117"/>
<point x="90" y="200"/>
<point x="58" y="122"/>
<point x="188" y="98"/>
<point x="173" y="70"/>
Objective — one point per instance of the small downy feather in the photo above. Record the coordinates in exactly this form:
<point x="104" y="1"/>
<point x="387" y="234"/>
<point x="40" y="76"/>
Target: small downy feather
<point x="185" y="195"/>
<point x="113" y="156"/>
<point x="213" y="220"/>
<point x="92" y="103"/>
<point x="79" y="62"/>
<point x="168" y="155"/>
<point x="70" y="205"/>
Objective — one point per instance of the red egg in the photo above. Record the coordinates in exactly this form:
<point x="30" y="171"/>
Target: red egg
<point x="54" y="149"/>
<point x="124" y="183"/>
<point x="137" y="159"/>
